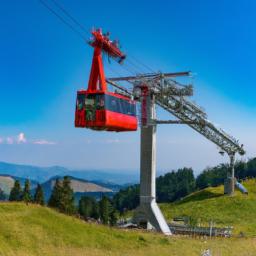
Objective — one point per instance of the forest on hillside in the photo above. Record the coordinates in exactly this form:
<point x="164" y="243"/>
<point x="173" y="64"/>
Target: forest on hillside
<point x="175" y="185"/>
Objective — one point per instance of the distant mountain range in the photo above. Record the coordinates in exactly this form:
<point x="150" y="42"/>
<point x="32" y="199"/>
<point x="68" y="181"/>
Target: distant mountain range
<point x="42" y="174"/>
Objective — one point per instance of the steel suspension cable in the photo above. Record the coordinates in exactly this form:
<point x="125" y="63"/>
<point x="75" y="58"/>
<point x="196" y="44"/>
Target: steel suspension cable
<point x="63" y="20"/>
<point x="142" y="64"/>
<point x="130" y="67"/>
<point x="86" y="30"/>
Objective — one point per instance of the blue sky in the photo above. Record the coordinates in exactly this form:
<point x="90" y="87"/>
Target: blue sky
<point x="43" y="63"/>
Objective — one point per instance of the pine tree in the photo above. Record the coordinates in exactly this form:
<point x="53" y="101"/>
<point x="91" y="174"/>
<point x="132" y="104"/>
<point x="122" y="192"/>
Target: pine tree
<point x="16" y="192"/>
<point x="104" y="210"/>
<point x="39" y="195"/>
<point x="88" y="207"/>
<point x="54" y="200"/>
<point x="26" y="196"/>
<point x="113" y="216"/>
<point x="67" y="201"/>
<point x="85" y="207"/>
<point x="95" y="209"/>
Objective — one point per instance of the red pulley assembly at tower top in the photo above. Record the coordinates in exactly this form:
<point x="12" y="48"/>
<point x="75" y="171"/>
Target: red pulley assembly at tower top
<point x="96" y="107"/>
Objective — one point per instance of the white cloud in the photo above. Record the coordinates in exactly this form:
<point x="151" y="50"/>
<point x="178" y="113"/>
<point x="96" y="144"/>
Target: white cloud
<point x="43" y="142"/>
<point x="21" y="138"/>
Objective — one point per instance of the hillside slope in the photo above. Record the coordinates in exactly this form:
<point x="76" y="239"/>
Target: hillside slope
<point x="7" y="182"/>
<point x="80" y="187"/>
<point x="34" y="230"/>
<point x="209" y="204"/>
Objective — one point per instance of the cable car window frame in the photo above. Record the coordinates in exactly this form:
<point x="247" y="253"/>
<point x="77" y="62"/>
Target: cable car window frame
<point x="90" y="101"/>
<point x="106" y="102"/>
<point x="100" y="102"/>
<point x="80" y="100"/>
<point x="122" y="106"/>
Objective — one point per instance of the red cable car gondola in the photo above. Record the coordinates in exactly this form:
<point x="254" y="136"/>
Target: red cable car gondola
<point x="96" y="108"/>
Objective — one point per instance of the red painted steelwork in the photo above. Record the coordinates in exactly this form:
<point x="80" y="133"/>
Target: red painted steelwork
<point x="96" y="108"/>
<point x="144" y="107"/>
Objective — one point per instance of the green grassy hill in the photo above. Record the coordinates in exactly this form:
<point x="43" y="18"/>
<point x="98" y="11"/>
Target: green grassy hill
<point x="34" y="230"/>
<point x="238" y="211"/>
<point x="27" y="230"/>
